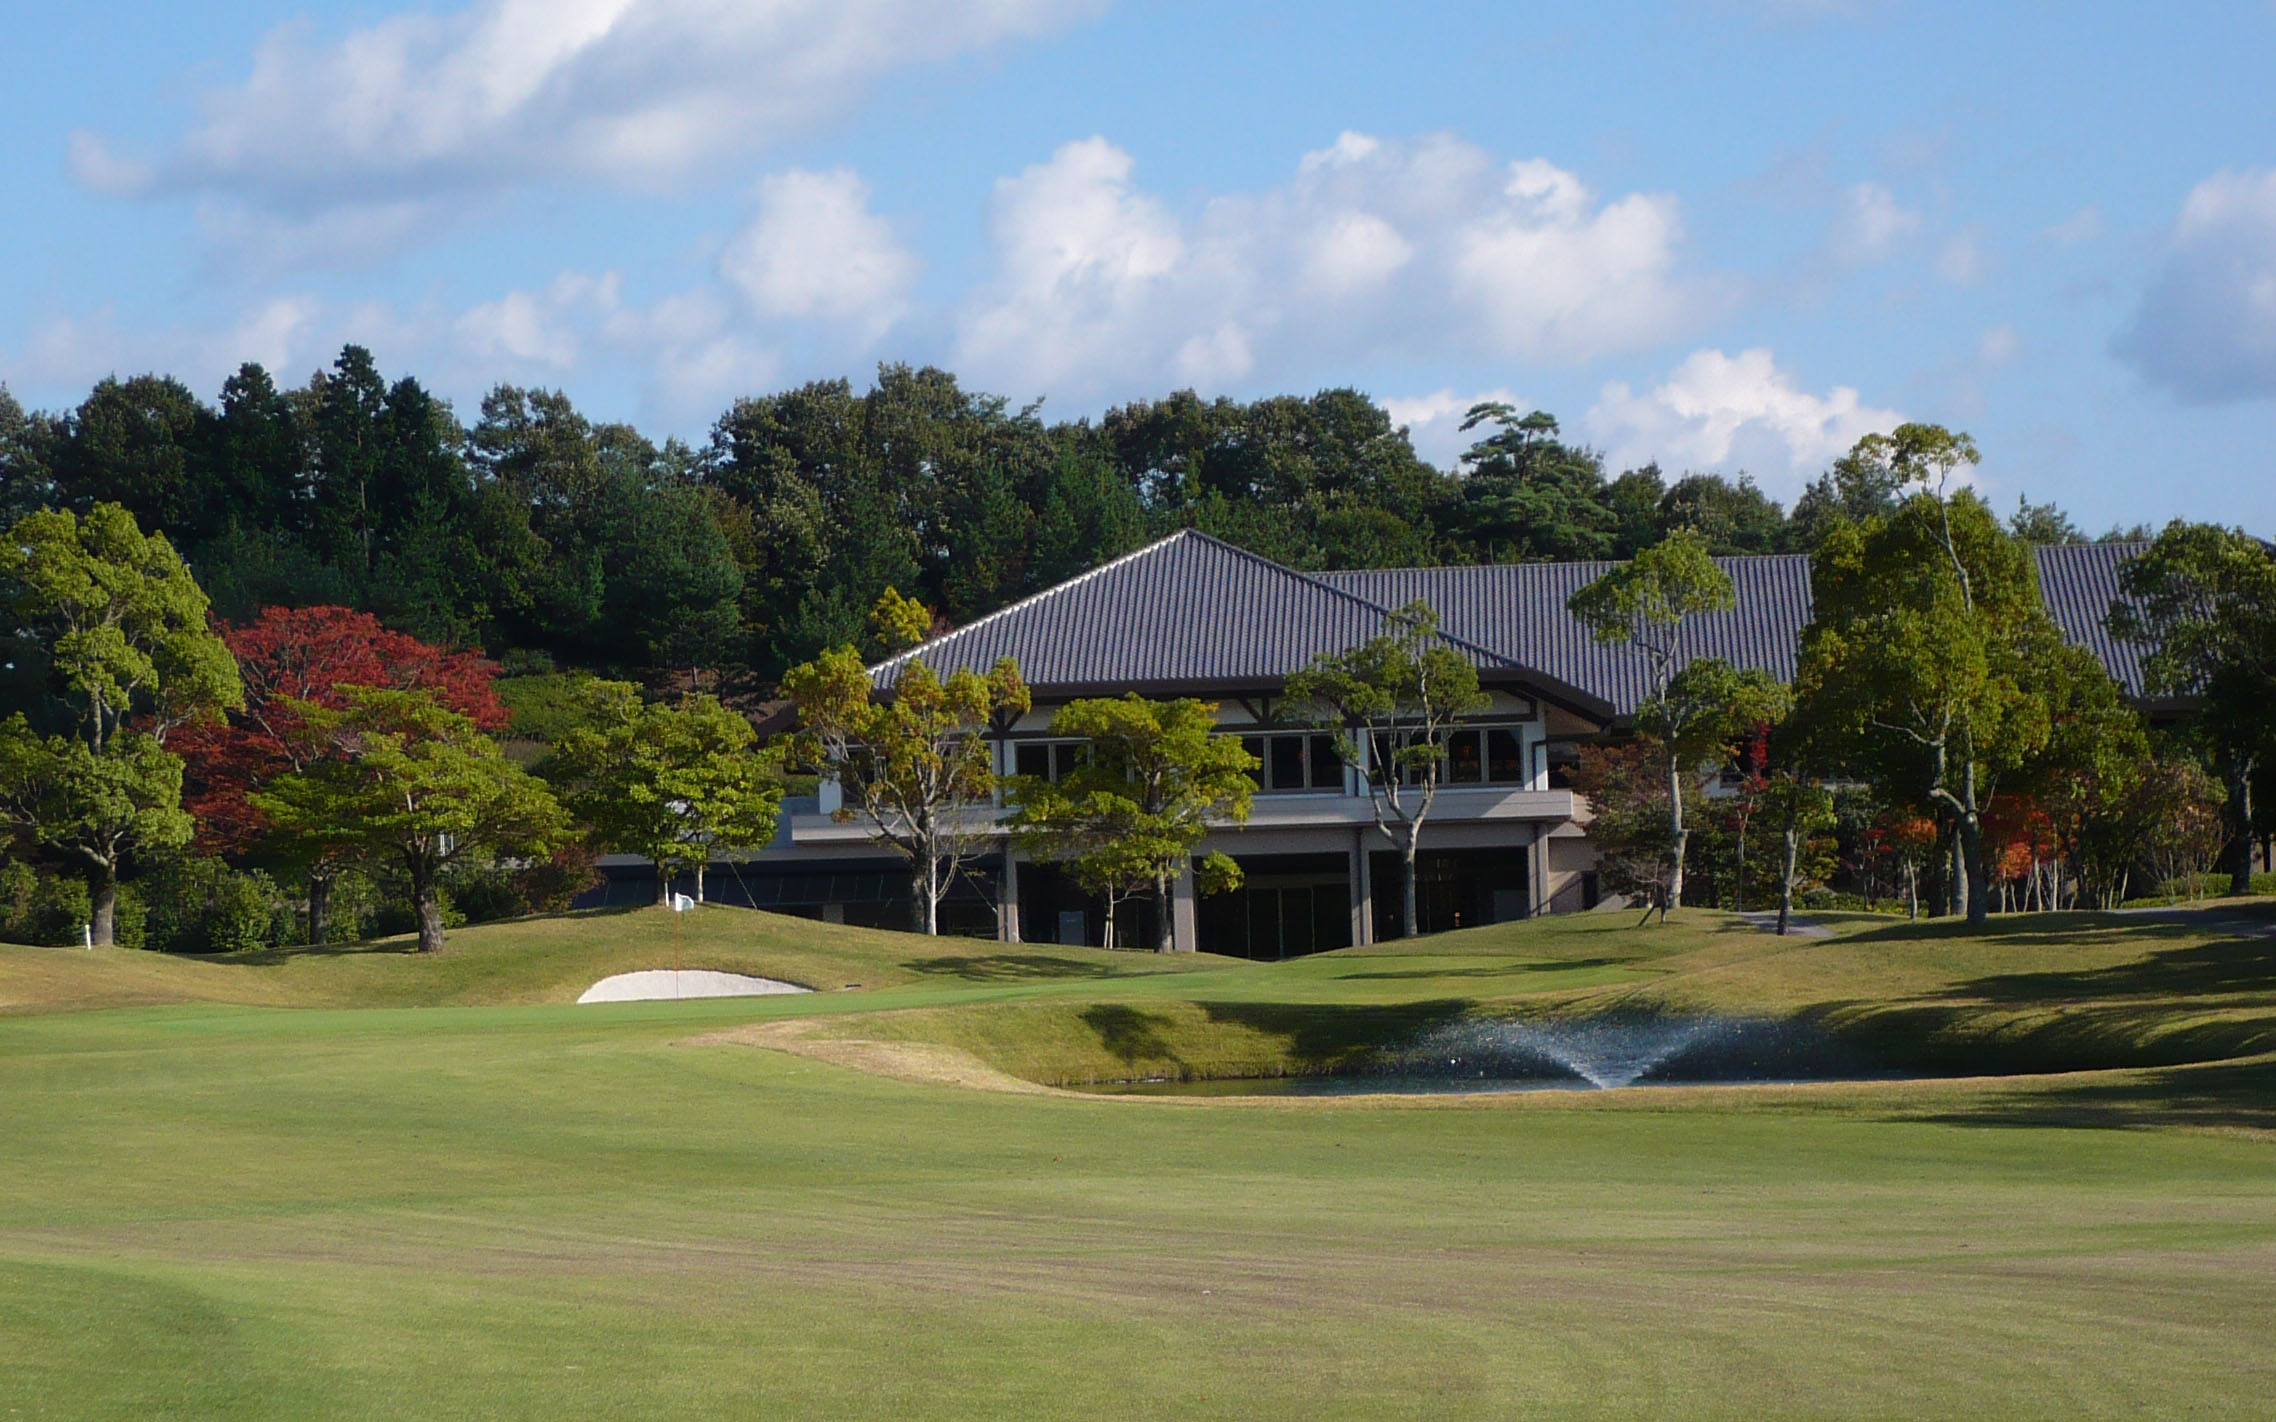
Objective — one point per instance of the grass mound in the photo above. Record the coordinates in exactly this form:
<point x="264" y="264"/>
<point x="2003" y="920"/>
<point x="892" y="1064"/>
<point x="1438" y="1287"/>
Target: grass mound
<point x="544" y="960"/>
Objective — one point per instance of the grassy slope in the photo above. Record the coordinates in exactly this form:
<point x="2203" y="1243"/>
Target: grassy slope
<point x="539" y="960"/>
<point x="2052" y="992"/>
<point x="558" y="1211"/>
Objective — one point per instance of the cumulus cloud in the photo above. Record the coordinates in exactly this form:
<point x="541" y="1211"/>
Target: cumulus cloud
<point x="1372" y="247"/>
<point x="71" y="353"/>
<point x="2206" y="327"/>
<point x="1726" y="412"/>
<point x="1871" y="225"/>
<point x="509" y="91"/>
<point x="686" y="352"/>
<point x="816" y="252"/>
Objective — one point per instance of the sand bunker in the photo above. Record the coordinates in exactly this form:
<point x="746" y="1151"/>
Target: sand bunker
<point x="664" y="984"/>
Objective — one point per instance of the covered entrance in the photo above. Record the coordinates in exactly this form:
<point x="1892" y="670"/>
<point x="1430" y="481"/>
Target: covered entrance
<point x="1454" y="888"/>
<point x="1288" y="905"/>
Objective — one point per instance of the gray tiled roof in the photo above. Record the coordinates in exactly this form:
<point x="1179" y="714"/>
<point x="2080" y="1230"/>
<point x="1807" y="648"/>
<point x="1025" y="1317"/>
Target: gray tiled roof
<point x="2079" y="582"/>
<point x="1192" y="610"/>
<point x="1518" y="610"/>
<point x="1189" y="610"/>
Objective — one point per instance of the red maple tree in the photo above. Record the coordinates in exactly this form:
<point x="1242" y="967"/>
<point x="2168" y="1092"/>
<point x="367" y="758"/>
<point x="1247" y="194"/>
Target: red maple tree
<point x="292" y="657"/>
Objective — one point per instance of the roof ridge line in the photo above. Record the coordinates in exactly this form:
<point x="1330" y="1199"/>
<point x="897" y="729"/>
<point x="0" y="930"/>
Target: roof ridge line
<point x="1053" y="591"/>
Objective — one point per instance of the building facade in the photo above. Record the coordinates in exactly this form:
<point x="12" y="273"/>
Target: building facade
<point x="1193" y="616"/>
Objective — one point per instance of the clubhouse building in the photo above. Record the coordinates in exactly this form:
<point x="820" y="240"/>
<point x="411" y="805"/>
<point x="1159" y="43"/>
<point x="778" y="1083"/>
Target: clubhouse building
<point x="1191" y="615"/>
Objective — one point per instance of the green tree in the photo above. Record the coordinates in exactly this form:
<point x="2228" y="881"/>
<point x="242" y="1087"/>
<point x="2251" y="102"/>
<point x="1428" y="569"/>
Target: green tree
<point x="1691" y="709"/>
<point x="420" y="787"/>
<point x="1529" y="495"/>
<point x="90" y="808"/>
<point x="118" y="628"/>
<point x="1800" y="812"/>
<point x="913" y="759"/>
<point x="673" y="784"/>
<point x="2202" y="600"/>
<point x="1155" y="779"/>
<point x="1392" y="702"/>
<point x="1929" y="664"/>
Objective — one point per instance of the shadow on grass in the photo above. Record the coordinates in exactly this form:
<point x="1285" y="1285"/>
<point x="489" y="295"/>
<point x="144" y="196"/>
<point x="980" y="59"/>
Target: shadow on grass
<point x="2041" y="929"/>
<point x="1008" y="967"/>
<point x="1495" y="970"/>
<point x="2243" y="968"/>
<point x="1131" y="1034"/>
<point x="1335" y="1037"/>
<point x="2233" y="1095"/>
<point x="2203" y="1002"/>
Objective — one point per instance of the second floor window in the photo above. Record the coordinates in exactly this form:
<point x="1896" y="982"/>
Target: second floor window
<point x="1295" y="762"/>
<point x="1477" y="755"/>
<point x="1047" y="760"/>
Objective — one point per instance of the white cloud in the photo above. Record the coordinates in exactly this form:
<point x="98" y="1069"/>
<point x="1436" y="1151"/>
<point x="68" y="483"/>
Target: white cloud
<point x="97" y="168"/>
<point x="1720" y="411"/>
<point x="536" y="328"/>
<point x="1872" y="224"/>
<point x="1434" y="421"/>
<point x="510" y="91"/>
<point x="816" y="251"/>
<point x="74" y="352"/>
<point x="1374" y="246"/>
<point x="2206" y="327"/>
<point x="686" y="351"/>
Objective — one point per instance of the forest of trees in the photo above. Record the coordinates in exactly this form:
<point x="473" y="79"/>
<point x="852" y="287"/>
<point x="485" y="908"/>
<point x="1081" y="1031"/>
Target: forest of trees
<point x="328" y="660"/>
<point x="544" y="538"/>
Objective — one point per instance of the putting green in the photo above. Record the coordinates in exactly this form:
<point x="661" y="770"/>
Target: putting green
<point x="209" y="1208"/>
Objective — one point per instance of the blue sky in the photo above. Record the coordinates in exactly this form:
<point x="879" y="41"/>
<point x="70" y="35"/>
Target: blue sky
<point x="1725" y="234"/>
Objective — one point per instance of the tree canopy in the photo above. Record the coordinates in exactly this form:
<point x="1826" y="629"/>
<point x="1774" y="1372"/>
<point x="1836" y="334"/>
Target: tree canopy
<point x="1154" y="778"/>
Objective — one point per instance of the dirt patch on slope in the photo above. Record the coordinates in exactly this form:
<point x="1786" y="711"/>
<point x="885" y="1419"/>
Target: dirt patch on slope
<point x="923" y="1062"/>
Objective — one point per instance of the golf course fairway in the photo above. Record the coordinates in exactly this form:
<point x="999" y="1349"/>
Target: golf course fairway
<point x="366" y="1184"/>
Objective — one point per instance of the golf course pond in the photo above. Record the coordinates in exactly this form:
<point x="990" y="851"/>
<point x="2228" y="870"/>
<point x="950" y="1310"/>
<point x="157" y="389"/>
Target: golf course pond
<point x="1603" y="1052"/>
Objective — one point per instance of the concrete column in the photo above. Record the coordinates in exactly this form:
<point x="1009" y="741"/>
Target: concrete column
<point x="1184" y="934"/>
<point x="1537" y="864"/>
<point x="1007" y="907"/>
<point x="1362" y="891"/>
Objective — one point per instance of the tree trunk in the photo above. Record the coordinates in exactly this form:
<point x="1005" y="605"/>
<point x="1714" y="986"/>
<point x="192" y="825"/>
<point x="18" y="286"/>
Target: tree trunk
<point x="1912" y="893"/>
<point x="1786" y="880"/>
<point x="1165" y="927"/>
<point x="1678" y="836"/>
<point x="1739" y="883"/>
<point x="427" y="898"/>
<point x="103" y="907"/>
<point x="699" y="868"/>
<point x="319" y="907"/>
<point x="1409" y="907"/>
<point x="664" y="877"/>
<point x="1974" y="888"/>
<point x="2237" y="853"/>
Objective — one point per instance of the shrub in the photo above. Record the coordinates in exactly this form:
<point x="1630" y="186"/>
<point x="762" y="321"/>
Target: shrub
<point x="204" y="906"/>
<point x="46" y="910"/>
<point x="487" y="893"/>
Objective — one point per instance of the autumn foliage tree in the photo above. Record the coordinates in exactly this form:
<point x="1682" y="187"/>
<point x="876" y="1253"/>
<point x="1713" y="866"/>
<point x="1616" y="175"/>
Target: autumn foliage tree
<point x="293" y="659"/>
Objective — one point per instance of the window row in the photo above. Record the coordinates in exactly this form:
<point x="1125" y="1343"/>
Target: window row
<point x="1475" y="755"/>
